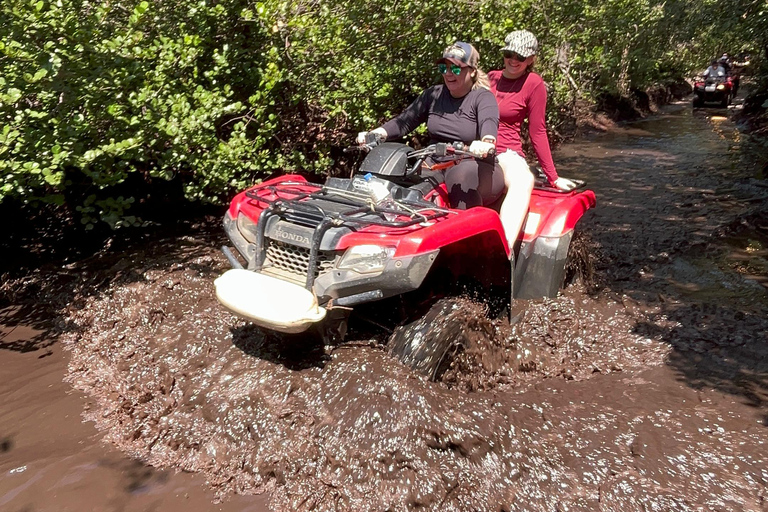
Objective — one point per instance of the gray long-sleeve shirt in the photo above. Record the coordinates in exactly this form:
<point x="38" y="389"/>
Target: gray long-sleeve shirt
<point x="714" y="72"/>
<point x="448" y="119"/>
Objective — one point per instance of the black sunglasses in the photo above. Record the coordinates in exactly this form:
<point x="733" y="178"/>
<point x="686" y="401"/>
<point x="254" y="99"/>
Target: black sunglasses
<point x="443" y="68"/>
<point x="513" y="55"/>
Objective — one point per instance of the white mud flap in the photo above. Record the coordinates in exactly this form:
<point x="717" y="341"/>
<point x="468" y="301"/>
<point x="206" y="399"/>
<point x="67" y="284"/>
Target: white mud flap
<point x="267" y="301"/>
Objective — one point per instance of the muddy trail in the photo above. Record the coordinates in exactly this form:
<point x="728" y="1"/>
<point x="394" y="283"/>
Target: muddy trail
<point x="643" y="387"/>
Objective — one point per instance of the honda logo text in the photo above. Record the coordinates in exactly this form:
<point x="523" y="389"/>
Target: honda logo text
<point x="291" y="237"/>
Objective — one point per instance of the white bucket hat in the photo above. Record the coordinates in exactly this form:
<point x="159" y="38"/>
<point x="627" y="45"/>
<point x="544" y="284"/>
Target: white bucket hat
<point x="521" y="42"/>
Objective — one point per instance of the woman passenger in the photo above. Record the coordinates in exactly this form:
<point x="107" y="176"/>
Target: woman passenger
<point x="521" y="94"/>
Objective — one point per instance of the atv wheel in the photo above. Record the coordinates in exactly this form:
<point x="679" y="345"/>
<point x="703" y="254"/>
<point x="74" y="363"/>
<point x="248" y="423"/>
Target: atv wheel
<point x="430" y="344"/>
<point x="697" y="102"/>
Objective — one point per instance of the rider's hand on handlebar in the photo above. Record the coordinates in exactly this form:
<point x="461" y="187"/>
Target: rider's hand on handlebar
<point x="564" y="184"/>
<point x="381" y="132"/>
<point x="480" y="149"/>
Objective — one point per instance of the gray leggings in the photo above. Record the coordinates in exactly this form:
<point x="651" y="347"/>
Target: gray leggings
<point x="474" y="183"/>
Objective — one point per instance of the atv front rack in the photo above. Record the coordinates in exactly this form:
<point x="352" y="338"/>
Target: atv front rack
<point x="358" y="204"/>
<point x="329" y="207"/>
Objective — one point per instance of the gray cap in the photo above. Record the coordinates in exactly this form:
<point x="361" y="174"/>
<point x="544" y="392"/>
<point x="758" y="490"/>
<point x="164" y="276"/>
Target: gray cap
<point x="461" y="52"/>
<point x="521" y="42"/>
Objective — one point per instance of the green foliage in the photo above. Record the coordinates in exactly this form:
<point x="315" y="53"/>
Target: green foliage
<point x="92" y="93"/>
<point x="102" y="100"/>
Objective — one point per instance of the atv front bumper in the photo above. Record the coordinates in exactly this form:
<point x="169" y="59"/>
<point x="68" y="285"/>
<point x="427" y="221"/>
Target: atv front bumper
<point x="268" y="302"/>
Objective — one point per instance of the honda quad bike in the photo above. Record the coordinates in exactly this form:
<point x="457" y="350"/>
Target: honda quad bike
<point x="713" y="90"/>
<point x="308" y="254"/>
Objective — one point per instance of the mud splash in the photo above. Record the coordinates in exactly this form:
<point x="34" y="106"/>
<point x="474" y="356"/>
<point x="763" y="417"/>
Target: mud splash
<point x="179" y="382"/>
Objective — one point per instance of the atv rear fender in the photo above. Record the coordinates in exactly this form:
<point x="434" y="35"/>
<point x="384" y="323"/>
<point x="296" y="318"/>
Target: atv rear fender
<point x="553" y="214"/>
<point x="540" y="263"/>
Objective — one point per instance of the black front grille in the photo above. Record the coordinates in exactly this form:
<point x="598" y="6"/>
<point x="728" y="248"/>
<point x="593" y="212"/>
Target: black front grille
<point x="295" y="260"/>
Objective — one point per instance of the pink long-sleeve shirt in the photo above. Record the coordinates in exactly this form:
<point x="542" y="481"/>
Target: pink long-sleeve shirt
<point x="518" y="99"/>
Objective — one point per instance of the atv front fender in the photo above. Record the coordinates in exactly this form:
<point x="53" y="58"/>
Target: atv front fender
<point x="435" y="235"/>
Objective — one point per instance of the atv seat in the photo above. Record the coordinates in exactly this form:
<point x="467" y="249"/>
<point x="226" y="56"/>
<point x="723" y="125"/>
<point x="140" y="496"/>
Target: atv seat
<point x="496" y="205"/>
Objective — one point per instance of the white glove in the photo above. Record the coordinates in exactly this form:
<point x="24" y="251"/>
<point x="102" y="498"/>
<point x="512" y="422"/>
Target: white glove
<point x="480" y="149"/>
<point x="564" y="184"/>
<point x="361" y="136"/>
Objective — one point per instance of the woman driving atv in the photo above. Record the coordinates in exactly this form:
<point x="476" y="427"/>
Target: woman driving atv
<point x="462" y="108"/>
<point x="521" y="94"/>
<point x="714" y="70"/>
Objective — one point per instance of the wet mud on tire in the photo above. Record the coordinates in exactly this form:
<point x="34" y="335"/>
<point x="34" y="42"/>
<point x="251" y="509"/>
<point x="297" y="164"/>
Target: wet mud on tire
<point x="583" y="255"/>
<point x="647" y="392"/>
<point x="430" y="344"/>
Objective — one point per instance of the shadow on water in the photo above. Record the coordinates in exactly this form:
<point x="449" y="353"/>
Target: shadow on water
<point x="6" y="444"/>
<point x="138" y="478"/>
<point x="681" y="233"/>
<point x="33" y="302"/>
<point x="295" y="352"/>
<point x="26" y="328"/>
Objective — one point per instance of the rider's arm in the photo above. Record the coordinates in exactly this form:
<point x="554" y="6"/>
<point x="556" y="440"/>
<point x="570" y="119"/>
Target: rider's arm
<point x="487" y="117"/>
<point x="537" y="128"/>
<point x="411" y="117"/>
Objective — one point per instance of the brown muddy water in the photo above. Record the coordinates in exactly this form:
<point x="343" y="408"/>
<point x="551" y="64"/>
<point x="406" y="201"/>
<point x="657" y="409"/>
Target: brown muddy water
<point x="646" y="389"/>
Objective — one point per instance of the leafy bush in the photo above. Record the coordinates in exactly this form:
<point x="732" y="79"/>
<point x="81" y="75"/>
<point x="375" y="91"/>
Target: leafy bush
<point x="101" y="102"/>
<point x="92" y="93"/>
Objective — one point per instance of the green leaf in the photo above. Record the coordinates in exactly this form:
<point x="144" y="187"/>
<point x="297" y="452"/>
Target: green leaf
<point x="140" y="9"/>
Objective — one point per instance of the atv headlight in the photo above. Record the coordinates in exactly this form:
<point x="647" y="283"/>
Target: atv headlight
<point x="246" y="227"/>
<point x="366" y="258"/>
<point x="720" y="87"/>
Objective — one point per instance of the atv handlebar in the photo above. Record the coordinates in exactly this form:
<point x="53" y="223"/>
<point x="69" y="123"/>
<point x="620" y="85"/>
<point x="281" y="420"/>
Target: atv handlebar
<point x="454" y="151"/>
<point x="440" y="149"/>
<point x="372" y="139"/>
<point x="446" y="149"/>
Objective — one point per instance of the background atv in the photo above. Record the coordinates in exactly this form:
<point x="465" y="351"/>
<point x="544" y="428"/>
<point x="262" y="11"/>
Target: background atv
<point x="713" y="90"/>
<point x="305" y="252"/>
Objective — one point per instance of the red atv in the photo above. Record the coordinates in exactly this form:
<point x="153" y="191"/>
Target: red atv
<point x="713" y="89"/>
<point x="307" y="253"/>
